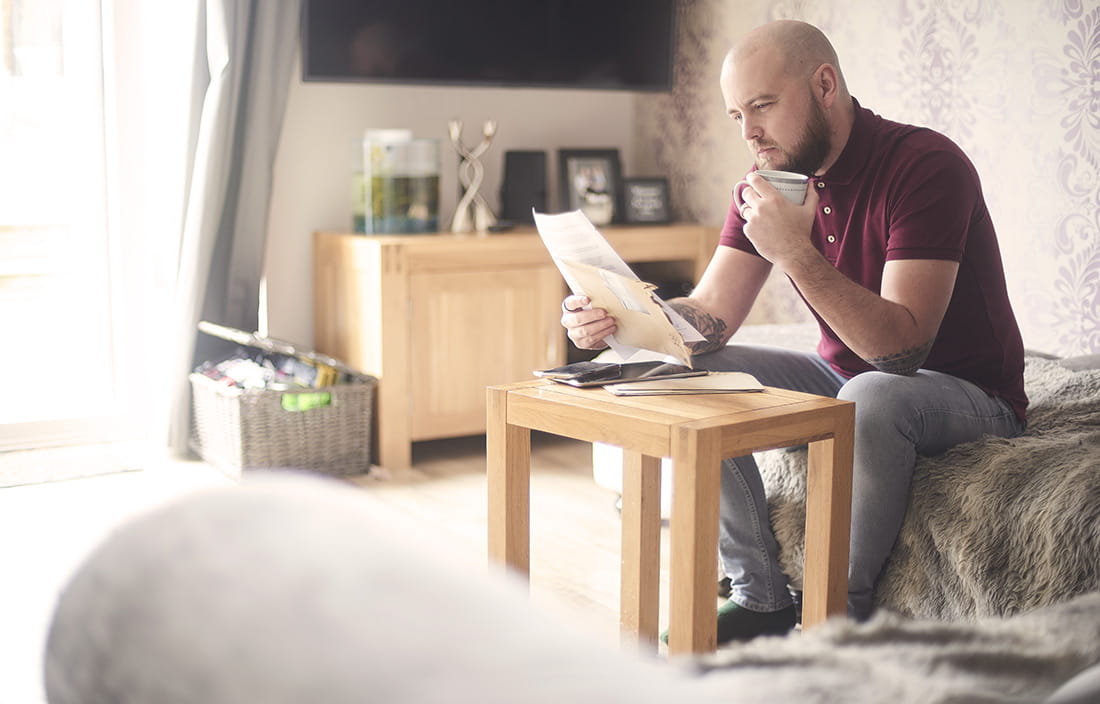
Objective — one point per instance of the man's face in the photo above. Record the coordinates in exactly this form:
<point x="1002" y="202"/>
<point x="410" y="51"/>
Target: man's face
<point x="782" y="124"/>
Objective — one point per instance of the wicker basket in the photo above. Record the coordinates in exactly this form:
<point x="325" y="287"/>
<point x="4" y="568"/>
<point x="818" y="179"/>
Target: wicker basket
<point x="237" y="430"/>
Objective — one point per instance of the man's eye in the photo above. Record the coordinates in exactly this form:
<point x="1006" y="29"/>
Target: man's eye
<point x="761" y="106"/>
<point x="736" y="118"/>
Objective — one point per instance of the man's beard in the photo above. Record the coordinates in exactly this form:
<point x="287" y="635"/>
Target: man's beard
<point x="807" y="156"/>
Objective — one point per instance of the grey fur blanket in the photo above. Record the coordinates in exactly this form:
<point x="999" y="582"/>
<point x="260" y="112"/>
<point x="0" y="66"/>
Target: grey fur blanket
<point x="994" y="527"/>
<point x="891" y="659"/>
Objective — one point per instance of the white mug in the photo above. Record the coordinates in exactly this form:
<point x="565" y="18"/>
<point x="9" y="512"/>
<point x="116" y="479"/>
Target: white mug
<point x="790" y="184"/>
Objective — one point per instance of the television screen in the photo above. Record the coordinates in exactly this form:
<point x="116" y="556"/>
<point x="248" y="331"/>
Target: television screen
<point x="599" y="44"/>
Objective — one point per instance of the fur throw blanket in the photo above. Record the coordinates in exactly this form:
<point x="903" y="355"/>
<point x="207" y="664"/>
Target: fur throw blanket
<point x="891" y="659"/>
<point x="994" y="527"/>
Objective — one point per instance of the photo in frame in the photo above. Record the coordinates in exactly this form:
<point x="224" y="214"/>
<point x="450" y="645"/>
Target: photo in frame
<point x="645" y="200"/>
<point x="590" y="181"/>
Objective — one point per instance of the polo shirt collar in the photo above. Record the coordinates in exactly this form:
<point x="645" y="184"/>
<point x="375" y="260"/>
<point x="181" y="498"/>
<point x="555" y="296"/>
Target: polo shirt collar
<point x="853" y="159"/>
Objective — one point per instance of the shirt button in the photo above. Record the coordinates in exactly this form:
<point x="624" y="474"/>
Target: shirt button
<point x="828" y="210"/>
<point x="831" y="239"/>
<point x="821" y="184"/>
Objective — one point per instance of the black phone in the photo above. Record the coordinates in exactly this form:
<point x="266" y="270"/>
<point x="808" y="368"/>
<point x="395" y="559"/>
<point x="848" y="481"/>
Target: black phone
<point x="636" y="371"/>
<point x="581" y="371"/>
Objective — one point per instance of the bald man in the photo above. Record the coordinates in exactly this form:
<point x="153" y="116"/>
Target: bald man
<point x="895" y="255"/>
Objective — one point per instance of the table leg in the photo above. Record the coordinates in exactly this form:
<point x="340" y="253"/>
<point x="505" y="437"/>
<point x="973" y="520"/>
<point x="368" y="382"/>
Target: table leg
<point x="641" y="550"/>
<point x="508" y="477"/>
<point x="828" y="528"/>
<point x="693" y="607"/>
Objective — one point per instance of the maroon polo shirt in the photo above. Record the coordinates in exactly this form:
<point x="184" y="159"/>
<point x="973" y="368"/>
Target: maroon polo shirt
<point x="904" y="192"/>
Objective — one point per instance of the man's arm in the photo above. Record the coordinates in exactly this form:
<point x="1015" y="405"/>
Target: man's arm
<point x="892" y="331"/>
<point x="726" y="292"/>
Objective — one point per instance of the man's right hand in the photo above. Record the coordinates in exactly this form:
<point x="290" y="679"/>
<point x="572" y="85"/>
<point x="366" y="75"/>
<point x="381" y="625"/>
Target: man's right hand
<point x="586" y="328"/>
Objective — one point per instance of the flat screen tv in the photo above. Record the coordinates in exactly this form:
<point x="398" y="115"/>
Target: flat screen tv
<point x="597" y="44"/>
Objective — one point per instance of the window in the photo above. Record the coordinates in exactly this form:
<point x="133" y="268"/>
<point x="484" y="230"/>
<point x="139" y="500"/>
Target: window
<point x="54" y="257"/>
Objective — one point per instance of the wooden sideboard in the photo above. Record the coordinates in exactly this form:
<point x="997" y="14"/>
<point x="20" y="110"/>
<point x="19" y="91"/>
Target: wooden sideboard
<point x="437" y="318"/>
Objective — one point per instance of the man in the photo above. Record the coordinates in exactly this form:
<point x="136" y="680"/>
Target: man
<point x="895" y="255"/>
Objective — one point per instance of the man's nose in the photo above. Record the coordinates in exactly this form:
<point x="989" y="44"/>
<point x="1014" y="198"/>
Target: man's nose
<point x="750" y="129"/>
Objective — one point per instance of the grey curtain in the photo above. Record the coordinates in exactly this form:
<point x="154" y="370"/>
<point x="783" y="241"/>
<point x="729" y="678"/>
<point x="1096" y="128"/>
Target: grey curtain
<point x="244" y="57"/>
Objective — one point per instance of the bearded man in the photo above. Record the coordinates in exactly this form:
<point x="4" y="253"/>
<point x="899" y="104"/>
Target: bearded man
<point x="895" y="255"/>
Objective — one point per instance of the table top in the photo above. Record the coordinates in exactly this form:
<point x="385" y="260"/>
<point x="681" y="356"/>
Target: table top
<point x="778" y="417"/>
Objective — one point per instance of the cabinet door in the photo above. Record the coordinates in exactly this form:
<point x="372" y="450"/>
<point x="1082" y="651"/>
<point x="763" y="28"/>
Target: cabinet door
<point x="473" y="329"/>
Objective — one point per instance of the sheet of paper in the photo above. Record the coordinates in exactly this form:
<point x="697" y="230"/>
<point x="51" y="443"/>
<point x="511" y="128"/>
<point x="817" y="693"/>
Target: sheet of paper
<point x="572" y="237"/>
<point x="713" y="383"/>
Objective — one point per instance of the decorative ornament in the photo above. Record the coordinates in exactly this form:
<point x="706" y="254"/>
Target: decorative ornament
<point x="472" y="212"/>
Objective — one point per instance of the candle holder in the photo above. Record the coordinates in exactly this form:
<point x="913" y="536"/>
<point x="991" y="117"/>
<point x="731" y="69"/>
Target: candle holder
<point x="472" y="212"/>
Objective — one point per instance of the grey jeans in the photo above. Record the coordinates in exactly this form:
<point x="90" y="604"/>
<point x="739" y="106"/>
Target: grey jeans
<point x="897" y="419"/>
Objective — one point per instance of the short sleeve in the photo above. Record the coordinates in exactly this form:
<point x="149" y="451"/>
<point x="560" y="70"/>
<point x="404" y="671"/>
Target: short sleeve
<point x="733" y="234"/>
<point x="934" y="202"/>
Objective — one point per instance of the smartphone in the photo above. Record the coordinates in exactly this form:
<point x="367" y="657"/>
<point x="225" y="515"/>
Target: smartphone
<point x="581" y="371"/>
<point x="637" y="371"/>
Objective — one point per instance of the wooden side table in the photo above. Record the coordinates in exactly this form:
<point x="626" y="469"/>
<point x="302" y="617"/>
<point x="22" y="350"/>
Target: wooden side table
<point x="697" y="432"/>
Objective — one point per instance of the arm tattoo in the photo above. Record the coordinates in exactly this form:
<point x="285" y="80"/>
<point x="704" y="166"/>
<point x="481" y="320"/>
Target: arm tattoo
<point x="906" y="362"/>
<point x="710" y="327"/>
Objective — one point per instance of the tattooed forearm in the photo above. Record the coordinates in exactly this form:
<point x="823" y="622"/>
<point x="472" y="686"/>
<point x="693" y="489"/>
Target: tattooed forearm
<point x="906" y="362"/>
<point x="712" y="328"/>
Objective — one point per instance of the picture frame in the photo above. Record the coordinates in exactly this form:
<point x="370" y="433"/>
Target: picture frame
<point x="590" y="180"/>
<point x="645" y="200"/>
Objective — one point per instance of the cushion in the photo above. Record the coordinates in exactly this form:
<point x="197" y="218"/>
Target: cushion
<point x="286" y="590"/>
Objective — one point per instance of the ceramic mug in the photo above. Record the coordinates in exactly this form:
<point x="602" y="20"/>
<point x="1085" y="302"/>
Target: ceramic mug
<point x="790" y="184"/>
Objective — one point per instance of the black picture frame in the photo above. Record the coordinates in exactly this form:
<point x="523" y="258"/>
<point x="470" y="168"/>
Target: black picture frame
<point x="590" y="180"/>
<point x="645" y="201"/>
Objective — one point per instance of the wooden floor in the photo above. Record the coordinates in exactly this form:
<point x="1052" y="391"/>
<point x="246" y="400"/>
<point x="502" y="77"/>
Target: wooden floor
<point x="575" y="528"/>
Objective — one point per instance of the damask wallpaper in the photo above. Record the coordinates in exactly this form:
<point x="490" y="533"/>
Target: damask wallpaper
<point x="1015" y="84"/>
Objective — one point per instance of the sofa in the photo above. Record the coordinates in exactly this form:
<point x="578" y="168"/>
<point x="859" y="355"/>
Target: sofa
<point x="296" y="589"/>
<point x="994" y="527"/>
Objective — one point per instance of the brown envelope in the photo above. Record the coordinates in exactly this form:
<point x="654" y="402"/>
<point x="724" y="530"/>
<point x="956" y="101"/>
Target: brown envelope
<point x="639" y="317"/>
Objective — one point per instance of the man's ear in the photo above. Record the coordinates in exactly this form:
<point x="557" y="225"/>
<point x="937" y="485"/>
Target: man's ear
<point x="825" y="84"/>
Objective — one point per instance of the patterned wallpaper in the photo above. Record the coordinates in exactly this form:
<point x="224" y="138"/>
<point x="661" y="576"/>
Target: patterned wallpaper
<point x="1016" y="84"/>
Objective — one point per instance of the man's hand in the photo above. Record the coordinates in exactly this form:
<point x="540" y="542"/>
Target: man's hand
<point x="777" y="228"/>
<point x="586" y="328"/>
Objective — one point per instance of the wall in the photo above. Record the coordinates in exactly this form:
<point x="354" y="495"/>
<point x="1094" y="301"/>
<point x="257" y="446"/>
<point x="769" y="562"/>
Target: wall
<point x="312" y="187"/>
<point x="1014" y="83"/>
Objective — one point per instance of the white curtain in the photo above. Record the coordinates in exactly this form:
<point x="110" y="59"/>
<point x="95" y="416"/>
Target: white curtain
<point x="244" y="57"/>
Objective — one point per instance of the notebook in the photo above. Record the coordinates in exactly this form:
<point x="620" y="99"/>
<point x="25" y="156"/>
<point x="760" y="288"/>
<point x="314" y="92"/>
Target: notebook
<point x="712" y="383"/>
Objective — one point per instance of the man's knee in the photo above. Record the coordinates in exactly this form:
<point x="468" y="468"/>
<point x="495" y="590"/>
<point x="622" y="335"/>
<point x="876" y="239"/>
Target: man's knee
<point x="880" y="398"/>
<point x="875" y="388"/>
